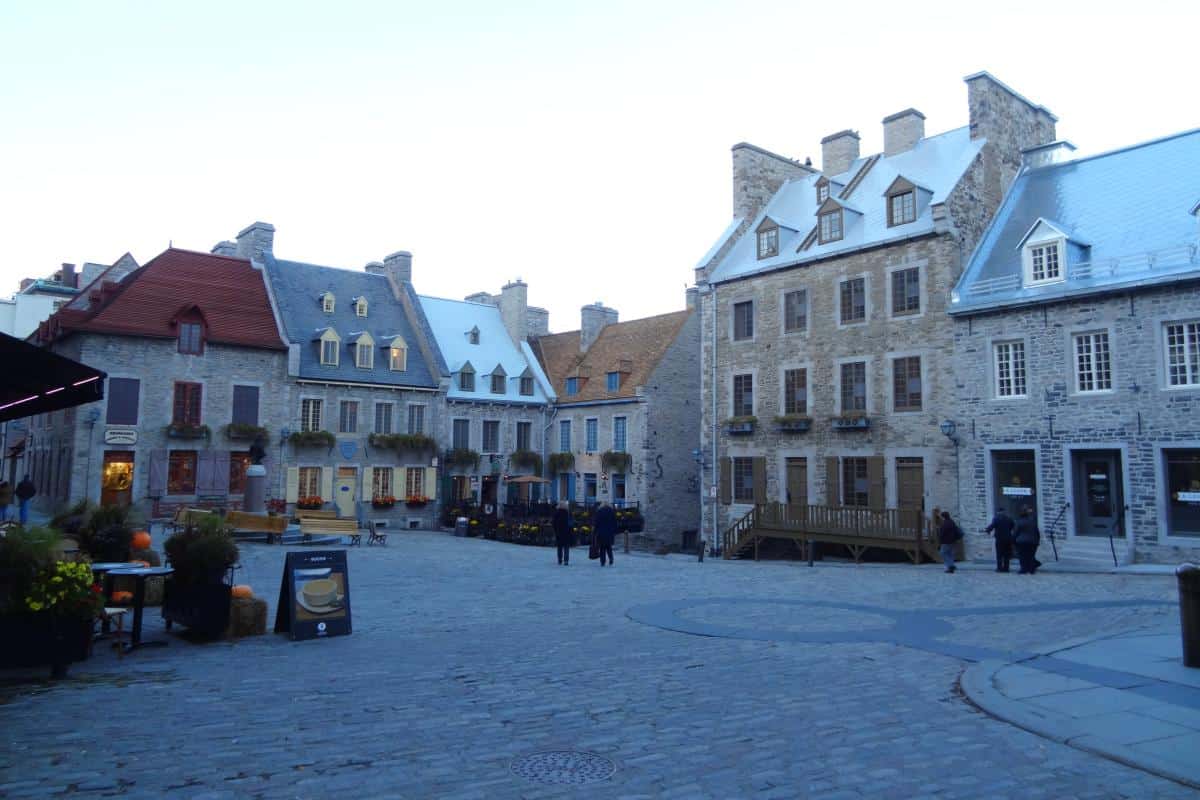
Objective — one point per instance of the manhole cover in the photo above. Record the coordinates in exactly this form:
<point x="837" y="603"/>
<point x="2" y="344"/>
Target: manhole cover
<point x="564" y="766"/>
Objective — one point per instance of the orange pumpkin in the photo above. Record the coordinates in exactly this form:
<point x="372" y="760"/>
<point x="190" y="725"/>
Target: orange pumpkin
<point x="140" y="563"/>
<point x="141" y="540"/>
<point x="121" y="597"/>
<point x="242" y="590"/>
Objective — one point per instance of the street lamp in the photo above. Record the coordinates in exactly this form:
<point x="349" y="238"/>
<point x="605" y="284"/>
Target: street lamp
<point x="948" y="429"/>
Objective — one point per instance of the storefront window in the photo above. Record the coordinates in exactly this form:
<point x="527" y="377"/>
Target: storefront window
<point x="238" y="462"/>
<point x="181" y="472"/>
<point x="1183" y="492"/>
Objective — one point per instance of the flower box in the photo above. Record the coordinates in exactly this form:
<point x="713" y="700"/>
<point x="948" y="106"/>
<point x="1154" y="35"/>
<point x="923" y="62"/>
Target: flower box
<point x="851" y="423"/>
<point x="241" y="432"/>
<point x="382" y="505"/>
<point x="416" y="502"/>
<point x="179" y="431"/>
<point x="310" y="503"/>
<point x="793" y="424"/>
<point x="740" y="426"/>
<point x="313" y="439"/>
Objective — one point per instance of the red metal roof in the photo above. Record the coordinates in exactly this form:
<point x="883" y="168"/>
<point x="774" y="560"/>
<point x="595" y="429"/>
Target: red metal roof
<point x="230" y="294"/>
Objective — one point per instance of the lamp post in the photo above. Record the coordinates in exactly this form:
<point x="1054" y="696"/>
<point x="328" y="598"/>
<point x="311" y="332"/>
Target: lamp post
<point x="949" y="430"/>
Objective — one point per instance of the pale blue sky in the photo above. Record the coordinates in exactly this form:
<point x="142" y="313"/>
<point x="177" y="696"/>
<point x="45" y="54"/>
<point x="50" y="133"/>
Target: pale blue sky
<point x="581" y="146"/>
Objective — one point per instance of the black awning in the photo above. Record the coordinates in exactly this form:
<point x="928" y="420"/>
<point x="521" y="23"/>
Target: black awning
<point x="36" y="381"/>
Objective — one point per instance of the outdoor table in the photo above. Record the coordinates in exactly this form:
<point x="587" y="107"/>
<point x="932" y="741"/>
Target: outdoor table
<point x="139" y="574"/>
<point x="99" y="569"/>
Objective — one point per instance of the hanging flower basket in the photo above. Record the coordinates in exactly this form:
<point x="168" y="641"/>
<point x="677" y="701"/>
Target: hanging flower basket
<point x="614" y="461"/>
<point x="312" y="439"/>
<point x="242" y="432"/>
<point x="560" y="462"/>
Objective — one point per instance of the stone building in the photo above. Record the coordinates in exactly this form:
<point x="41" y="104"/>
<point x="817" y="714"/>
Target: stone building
<point x="625" y="424"/>
<point x="1077" y="355"/>
<point x="196" y="363"/>
<point x="825" y="343"/>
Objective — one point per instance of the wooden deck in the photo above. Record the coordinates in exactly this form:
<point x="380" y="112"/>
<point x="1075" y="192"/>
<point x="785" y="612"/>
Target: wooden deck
<point x="907" y="530"/>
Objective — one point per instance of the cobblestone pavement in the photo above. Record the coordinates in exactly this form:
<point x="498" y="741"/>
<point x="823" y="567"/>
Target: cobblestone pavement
<point x="469" y="656"/>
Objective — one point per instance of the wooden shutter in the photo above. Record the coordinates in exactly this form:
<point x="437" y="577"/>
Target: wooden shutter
<point x="833" y="482"/>
<point x="368" y="484"/>
<point x="726" y="478"/>
<point x="204" y="471"/>
<point x="327" y="484"/>
<point x="158" y="473"/>
<point x="179" y="408"/>
<point x="245" y="405"/>
<point x="431" y="482"/>
<point x="122" y="401"/>
<point x="220" y="472"/>
<point x="876" y="492"/>
<point x="759" y="466"/>
<point x="291" y="492"/>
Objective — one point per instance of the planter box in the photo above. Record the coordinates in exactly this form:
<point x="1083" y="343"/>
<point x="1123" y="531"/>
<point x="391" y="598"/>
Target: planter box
<point x="739" y="428"/>
<point x="416" y="505"/>
<point x="851" y="423"/>
<point x="795" y="426"/>
<point x="203" y="607"/>
<point x="186" y="433"/>
<point x="34" y="640"/>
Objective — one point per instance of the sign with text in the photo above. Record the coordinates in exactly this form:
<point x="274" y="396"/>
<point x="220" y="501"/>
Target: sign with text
<point x="1017" y="491"/>
<point x="120" y="436"/>
<point x="314" y="595"/>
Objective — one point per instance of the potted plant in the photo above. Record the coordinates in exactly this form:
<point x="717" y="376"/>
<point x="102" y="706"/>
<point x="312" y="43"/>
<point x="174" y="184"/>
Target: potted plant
<point x="462" y="458"/>
<point x="526" y="459"/>
<point x="614" y="461"/>
<point x="740" y="426"/>
<point x="383" y="501"/>
<point x="560" y="462"/>
<point x="418" y="442"/>
<point x="793" y="423"/>
<point x="416" y="501"/>
<point x="310" y="502"/>
<point x="198" y="593"/>
<point x="245" y="432"/>
<point x="313" y="439"/>
<point x="185" y="430"/>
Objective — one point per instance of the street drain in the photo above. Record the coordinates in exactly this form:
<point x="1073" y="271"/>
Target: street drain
<point x="564" y="766"/>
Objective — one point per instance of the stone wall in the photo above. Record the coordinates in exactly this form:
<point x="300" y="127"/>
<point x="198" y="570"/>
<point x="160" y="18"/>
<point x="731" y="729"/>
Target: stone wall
<point x="587" y="461"/>
<point x="757" y="175"/>
<point x="508" y="415"/>
<point x="1009" y="123"/>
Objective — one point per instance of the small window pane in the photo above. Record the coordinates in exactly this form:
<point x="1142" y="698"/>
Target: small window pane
<point x="527" y="386"/>
<point x="831" y="226"/>
<point x="854" y="386"/>
<point x="795" y="311"/>
<point x="743" y="480"/>
<point x="524" y="435"/>
<point x="743" y="321"/>
<point x="348" y="417"/>
<point x="310" y="415"/>
<point x="572" y="386"/>
<point x="564" y="436"/>
<point x="592" y="429"/>
<point x="855" y="486"/>
<point x="181" y="472"/>
<point x="614" y="381"/>
<point x="619" y="434"/>
<point x="461" y="435"/>
<point x="906" y="291"/>
<point x="383" y="417"/>
<point x="743" y="395"/>
<point x="1093" y="363"/>
<point x="1183" y="353"/>
<point x="768" y="243"/>
<point x="795" y="391"/>
<point x="906" y="383"/>
<point x="498" y="384"/>
<point x="416" y="419"/>
<point x="853" y="300"/>
<point x="466" y="381"/>
<point x="1010" y="369"/>
<point x="491" y="436"/>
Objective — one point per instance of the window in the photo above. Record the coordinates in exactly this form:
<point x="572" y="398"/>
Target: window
<point x="591" y="428"/>
<point x="743" y="480"/>
<point x="245" y="405"/>
<point x="906" y="292"/>
<point x="619" y="427"/>
<point x="572" y="386"/>
<point x="526" y="386"/>
<point x="906" y="383"/>
<point x="902" y="208"/>
<point x="329" y="352"/>
<point x="564" y="436"/>
<point x="853" y="305"/>
<point x="743" y="395"/>
<point x="614" y="381"/>
<point x="795" y="311"/>
<point x="831" y="226"/>
<point x="364" y="355"/>
<point x="854" y="386"/>
<point x="524" y="435"/>
<point x="416" y="419"/>
<point x="181" y="472"/>
<point x="743" y="321"/>
<point x="618" y="489"/>
<point x="1093" y="362"/>
<point x="1183" y="353"/>
<point x="1183" y="492"/>
<point x="498" y="383"/>
<point x="822" y="192"/>
<point x="348" y="416"/>
<point x="466" y="380"/>
<point x="1010" y="369"/>
<point x="855" y="485"/>
<point x="768" y="243"/>
<point x="1043" y="262"/>
<point x="327" y="302"/>
<point x="383" y="417"/>
<point x="381" y="483"/>
<point x="491" y="436"/>
<point x="795" y="391"/>
<point x="398" y="358"/>
<point x="310" y="482"/>
<point x="238" y="462"/>
<point x="186" y="410"/>
<point x="360" y="307"/>
<point x="191" y="338"/>
<point x="123" y="401"/>
<point x="461" y="435"/>
<point x="310" y="415"/>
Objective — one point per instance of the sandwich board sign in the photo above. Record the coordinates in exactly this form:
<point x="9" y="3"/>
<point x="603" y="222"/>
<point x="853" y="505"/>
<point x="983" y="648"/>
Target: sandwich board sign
<point x="314" y="595"/>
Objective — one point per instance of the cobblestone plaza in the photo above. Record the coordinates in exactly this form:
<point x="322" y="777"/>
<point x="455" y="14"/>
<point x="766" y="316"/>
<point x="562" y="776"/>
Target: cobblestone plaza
<point x="484" y="670"/>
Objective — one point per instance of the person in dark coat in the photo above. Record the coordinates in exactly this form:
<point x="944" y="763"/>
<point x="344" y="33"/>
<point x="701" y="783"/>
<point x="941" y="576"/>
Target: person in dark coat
<point x="948" y="534"/>
<point x="25" y="492"/>
<point x="5" y="499"/>
<point x="605" y="523"/>
<point x="1027" y="537"/>
<point x="561" y="522"/>
<point x="1001" y="527"/>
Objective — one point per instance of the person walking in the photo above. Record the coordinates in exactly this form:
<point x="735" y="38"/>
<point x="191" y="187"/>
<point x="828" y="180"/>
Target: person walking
<point x="5" y="499"/>
<point x="605" y="523"/>
<point x="25" y="492"/>
<point x="561" y="522"/>
<point x="948" y="534"/>
<point x="1001" y="527"/>
<point x="1027" y="537"/>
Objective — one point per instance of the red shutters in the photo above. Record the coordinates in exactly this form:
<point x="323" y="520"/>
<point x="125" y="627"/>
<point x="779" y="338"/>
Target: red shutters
<point x="187" y="404"/>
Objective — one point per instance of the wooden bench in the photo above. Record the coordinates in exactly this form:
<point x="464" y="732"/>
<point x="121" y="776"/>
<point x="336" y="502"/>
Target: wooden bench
<point x="325" y="526"/>
<point x="315" y="513"/>
<point x="272" y="526"/>
<point x="190" y="516"/>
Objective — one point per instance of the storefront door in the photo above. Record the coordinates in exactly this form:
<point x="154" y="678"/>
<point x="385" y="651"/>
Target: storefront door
<point x="116" y="481"/>
<point x="343" y="491"/>
<point x="1014" y="481"/>
<point x="1097" y="500"/>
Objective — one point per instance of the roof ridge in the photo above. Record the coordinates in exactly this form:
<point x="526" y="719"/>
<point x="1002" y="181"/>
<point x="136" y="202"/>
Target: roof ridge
<point x="198" y="253"/>
<point x="1117" y="150"/>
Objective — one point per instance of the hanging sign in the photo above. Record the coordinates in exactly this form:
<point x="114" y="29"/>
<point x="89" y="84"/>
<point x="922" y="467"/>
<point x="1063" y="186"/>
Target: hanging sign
<point x="314" y="595"/>
<point x="1019" y="491"/>
<point x="120" y="436"/>
<point x="1188" y="497"/>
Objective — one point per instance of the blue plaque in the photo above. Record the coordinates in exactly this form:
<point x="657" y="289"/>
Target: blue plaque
<point x="348" y="448"/>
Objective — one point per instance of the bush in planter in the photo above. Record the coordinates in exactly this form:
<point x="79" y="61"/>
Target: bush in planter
<point x="526" y="459"/>
<point x="24" y="553"/>
<point x="198" y="595"/>
<point x="245" y="432"/>
<point x="313" y="439"/>
<point x="560" y="462"/>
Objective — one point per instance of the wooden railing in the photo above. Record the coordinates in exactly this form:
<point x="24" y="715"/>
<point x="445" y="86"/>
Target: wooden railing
<point x="908" y="525"/>
<point x="729" y="540"/>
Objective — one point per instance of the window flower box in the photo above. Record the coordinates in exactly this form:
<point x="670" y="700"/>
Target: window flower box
<point x="310" y="503"/>
<point x="614" y="461"/>
<point x="526" y="459"/>
<point x="461" y="458"/>
<point x="383" y="501"/>
<point x="416" y="501"/>
<point x="851" y="422"/>
<point x="740" y="426"/>
<point x="411" y="442"/>
<point x="313" y="439"/>
<point x="560" y="462"/>
<point x="793" y="423"/>
<point x="241" y="432"/>
<point x="186" y="431"/>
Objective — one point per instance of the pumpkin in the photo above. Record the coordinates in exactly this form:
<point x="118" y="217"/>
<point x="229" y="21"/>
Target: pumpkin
<point x="121" y="597"/>
<point x="141" y="540"/>
<point x="242" y="590"/>
<point x="140" y="563"/>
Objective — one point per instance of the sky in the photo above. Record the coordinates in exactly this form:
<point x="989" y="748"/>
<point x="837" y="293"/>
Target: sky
<point x="581" y="147"/>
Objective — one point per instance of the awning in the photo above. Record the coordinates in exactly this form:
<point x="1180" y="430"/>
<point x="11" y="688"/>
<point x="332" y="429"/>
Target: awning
<point x="37" y="381"/>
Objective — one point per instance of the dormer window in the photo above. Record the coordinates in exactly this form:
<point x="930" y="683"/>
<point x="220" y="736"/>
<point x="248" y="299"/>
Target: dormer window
<point x="329" y="343"/>
<point x="768" y="239"/>
<point x="498" y="380"/>
<point x="527" y="386"/>
<point x="572" y="386"/>
<point x="360" y="307"/>
<point x="830" y="226"/>
<point x="364" y="356"/>
<point x="191" y="338"/>
<point x="398" y="355"/>
<point x="328" y="303"/>
<point x="902" y="208"/>
<point x="473" y="336"/>
<point x="1043" y="262"/>
<point x="822" y="190"/>
<point x="466" y="379"/>
<point x="614" y="381"/>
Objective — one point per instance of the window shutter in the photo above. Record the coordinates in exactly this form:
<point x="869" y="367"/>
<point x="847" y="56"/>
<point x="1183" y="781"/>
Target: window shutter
<point x="327" y="484"/>
<point x="431" y="482"/>
<point x="179" y="412"/>
<point x="292" y="491"/>
<point x="158" y="473"/>
<point x="368" y="484"/>
<point x="759" y="466"/>
<point x="245" y="405"/>
<point x="833" y="483"/>
<point x="204" y="472"/>
<point x="876" y="494"/>
<point x="122" y="401"/>
<point x="726" y="491"/>
<point x="220" y="472"/>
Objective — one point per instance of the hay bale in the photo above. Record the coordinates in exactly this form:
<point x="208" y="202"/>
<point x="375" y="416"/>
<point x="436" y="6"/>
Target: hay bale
<point x="247" y="617"/>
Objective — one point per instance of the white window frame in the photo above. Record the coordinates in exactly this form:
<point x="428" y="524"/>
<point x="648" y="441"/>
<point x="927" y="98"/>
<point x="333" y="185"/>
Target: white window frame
<point x="1077" y="339"/>
<point x="591" y="444"/>
<point x="335" y="347"/>
<point x="1191" y="376"/>
<point x="408" y="418"/>
<point x="357" y="404"/>
<point x="1028" y="257"/>
<point x="382" y="484"/>
<point x="391" y="415"/>
<point x="328" y="303"/>
<point x="314" y="471"/>
<point x="620" y="447"/>
<point x="398" y="357"/>
<point x="320" y="413"/>
<point x="364" y="355"/>
<point x="768" y="243"/>
<point x="360" y="307"/>
<point x="414" y="478"/>
<point x="996" y="362"/>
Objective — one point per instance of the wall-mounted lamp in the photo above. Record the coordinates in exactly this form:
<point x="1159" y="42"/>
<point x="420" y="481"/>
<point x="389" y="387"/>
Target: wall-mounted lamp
<point x="948" y="430"/>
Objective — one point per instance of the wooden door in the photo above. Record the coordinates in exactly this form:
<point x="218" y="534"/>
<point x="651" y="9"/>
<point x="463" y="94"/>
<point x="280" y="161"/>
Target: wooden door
<point x="910" y="483"/>
<point x="797" y="481"/>
<point x="343" y="491"/>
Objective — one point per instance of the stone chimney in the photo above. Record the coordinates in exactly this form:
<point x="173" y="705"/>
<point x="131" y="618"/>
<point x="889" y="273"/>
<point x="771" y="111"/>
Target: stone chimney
<point x="593" y="319"/>
<point x="398" y="266"/>
<point x="67" y="276"/>
<point x="375" y="268"/>
<point x="483" y="298"/>
<point x="838" y="151"/>
<point x="256" y="239"/>
<point x="539" y="322"/>
<point x="757" y="175"/>
<point x="514" y="309"/>
<point x="224" y="248"/>
<point x="693" y="297"/>
<point x="1053" y="153"/>
<point x="902" y="131"/>
<point x="1010" y="123"/>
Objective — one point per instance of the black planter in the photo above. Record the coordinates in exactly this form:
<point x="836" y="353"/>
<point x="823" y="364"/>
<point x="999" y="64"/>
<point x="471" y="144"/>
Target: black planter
<point x="34" y="640"/>
<point x="202" y="606"/>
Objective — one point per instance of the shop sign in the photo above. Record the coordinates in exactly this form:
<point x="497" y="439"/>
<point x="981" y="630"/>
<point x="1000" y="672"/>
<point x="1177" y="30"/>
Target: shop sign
<point x="1017" y="491"/>
<point x="120" y="436"/>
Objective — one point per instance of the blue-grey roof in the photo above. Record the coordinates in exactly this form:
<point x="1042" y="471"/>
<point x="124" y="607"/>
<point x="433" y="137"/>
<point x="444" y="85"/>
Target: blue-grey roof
<point x="935" y="163"/>
<point x="452" y="320"/>
<point x="1126" y="216"/>
<point x="297" y="288"/>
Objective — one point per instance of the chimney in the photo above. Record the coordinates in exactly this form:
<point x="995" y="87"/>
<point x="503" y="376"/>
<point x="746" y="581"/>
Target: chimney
<point x="1010" y="123"/>
<point x="593" y="319"/>
<point x="375" y="268"/>
<point x="514" y="309"/>
<point x="398" y="266"/>
<point x="67" y="277"/>
<point x="692" y="296"/>
<point x="483" y="298"/>
<point x="255" y="239"/>
<point x="838" y="151"/>
<point x="224" y="248"/>
<point x="539" y="322"/>
<point x="1043" y="154"/>
<point x="757" y="175"/>
<point x="25" y="284"/>
<point x="902" y="131"/>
